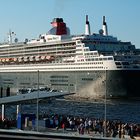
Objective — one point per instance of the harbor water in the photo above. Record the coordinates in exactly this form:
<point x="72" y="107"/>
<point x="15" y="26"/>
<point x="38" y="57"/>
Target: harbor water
<point x="126" y="111"/>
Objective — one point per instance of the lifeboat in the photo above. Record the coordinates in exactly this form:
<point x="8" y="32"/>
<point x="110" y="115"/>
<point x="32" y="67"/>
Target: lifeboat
<point x="43" y="57"/>
<point x="3" y="59"/>
<point x="48" y="57"/>
<point x="38" y="58"/>
<point x="32" y="58"/>
<point x="6" y="59"/>
<point x="11" y="59"/>
<point x="27" y="58"/>
<point x="15" y="59"/>
<point x="20" y="59"/>
<point x="52" y="58"/>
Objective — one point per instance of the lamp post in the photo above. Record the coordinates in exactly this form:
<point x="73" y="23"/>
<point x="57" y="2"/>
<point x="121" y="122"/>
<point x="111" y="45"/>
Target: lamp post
<point x="105" y="102"/>
<point x="75" y="82"/>
<point x="37" y="102"/>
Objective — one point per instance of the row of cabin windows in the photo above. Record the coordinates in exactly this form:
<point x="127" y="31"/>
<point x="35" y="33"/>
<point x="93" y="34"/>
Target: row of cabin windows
<point x="84" y="79"/>
<point x="95" y="63"/>
<point x="58" y="80"/>
<point x="91" y="53"/>
<point x="123" y="63"/>
<point x="36" y="48"/>
<point x="80" y="67"/>
<point x="58" y="76"/>
<point x="96" y="59"/>
<point x="59" y="84"/>
<point x="99" y="59"/>
<point x="99" y="42"/>
<point x="52" y="46"/>
<point x="87" y="79"/>
<point x="78" y="63"/>
<point x="36" y="53"/>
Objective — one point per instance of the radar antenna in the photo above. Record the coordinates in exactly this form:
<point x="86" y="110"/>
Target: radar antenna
<point x="10" y="36"/>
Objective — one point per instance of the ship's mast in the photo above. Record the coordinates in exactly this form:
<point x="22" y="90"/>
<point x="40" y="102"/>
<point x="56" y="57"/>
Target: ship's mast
<point x="10" y="36"/>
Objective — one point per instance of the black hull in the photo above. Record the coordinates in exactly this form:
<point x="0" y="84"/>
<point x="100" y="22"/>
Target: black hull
<point x="127" y="82"/>
<point x="86" y="84"/>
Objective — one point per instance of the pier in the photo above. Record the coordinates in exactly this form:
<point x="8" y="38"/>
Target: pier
<point x="32" y="135"/>
<point x="38" y="131"/>
<point x="33" y="97"/>
<point x="51" y="134"/>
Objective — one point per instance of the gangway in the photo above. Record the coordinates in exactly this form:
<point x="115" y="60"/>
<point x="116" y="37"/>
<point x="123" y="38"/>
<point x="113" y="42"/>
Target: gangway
<point x="33" y="96"/>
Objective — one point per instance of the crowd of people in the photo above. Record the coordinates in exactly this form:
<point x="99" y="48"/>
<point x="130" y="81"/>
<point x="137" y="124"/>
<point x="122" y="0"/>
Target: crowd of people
<point x="7" y="123"/>
<point x="109" y="128"/>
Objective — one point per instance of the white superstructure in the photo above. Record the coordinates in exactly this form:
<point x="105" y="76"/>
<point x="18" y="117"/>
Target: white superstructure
<point x="80" y="63"/>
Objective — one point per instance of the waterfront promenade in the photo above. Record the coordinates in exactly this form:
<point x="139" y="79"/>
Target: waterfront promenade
<point x="53" y="134"/>
<point x="77" y="126"/>
<point x="90" y="126"/>
<point x="92" y="135"/>
<point x="69" y="127"/>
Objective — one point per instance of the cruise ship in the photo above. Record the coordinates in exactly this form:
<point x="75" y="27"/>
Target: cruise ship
<point x="92" y="65"/>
